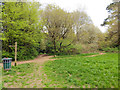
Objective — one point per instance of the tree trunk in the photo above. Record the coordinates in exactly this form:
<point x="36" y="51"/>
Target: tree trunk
<point x="60" y="46"/>
<point x="54" y="46"/>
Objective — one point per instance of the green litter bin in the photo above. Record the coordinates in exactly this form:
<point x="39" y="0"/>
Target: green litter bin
<point x="7" y="63"/>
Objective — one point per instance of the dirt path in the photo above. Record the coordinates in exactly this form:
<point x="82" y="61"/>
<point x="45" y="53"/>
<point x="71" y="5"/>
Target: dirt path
<point x="41" y="59"/>
<point x="96" y="55"/>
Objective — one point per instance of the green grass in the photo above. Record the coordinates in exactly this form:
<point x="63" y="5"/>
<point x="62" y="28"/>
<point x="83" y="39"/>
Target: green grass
<point x="29" y="75"/>
<point x="78" y="71"/>
<point x="22" y="68"/>
<point x="18" y="75"/>
<point x="67" y="71"/>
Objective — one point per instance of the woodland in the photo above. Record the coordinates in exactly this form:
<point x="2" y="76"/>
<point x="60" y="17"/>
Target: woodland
<point x="53" y="30"/>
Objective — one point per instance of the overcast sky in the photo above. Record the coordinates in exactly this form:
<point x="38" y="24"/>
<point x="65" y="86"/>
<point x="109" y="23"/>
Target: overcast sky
<point x="96" y="9"/>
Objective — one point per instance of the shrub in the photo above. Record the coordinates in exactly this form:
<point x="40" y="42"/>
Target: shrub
<point x="5" y="54"/>
<point x="72" y="49"/>
<point x="108" y="49"/>
<point x="88" y="48"/>
<point x="23" y="53"/>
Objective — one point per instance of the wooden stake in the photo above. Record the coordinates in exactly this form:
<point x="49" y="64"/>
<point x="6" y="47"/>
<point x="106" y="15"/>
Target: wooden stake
<point x="15" y="53"/>
<point x="11" y="45"/>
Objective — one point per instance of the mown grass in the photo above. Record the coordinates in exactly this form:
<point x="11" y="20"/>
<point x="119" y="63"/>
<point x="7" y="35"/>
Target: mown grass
<point x="78" y="71"/>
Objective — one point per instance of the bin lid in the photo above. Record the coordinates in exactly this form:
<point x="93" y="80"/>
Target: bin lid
<point x="7" y="59"/>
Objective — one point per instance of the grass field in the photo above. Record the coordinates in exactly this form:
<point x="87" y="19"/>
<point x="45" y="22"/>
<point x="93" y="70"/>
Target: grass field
<point x="78" y="71"/>
<point x="67" y="71"/>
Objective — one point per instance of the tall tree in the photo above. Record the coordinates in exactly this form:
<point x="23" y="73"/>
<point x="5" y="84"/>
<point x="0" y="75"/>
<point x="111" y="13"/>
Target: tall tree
<point x="21" y="23"/>
<point x="59" y="27"/>
<point x="81" y="19"/>
<point x="84" y="28"/>
<point x="112" y="23"/>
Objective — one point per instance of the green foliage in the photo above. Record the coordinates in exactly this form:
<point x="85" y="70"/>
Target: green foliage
<point x="67" y="31"/>
<point x="5" y="54"/>
<point x="21" y="23"/>
<point x="100" y="71"/>
<point x="111" y="39"/>
<point x="73" y="49"/>
<point x="25" y="54"/>
<point x="51" y="30"/>
<point x="59" y="30"/>
<point x="108" y="49"/>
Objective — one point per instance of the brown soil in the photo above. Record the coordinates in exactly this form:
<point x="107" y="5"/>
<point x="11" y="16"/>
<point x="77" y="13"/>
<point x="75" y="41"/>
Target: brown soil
<point x="40" y="58"/>
<point x="96" y="55"/>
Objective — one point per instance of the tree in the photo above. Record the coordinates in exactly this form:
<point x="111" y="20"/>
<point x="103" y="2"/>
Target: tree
<point x="112" y="23"/>
<point x="59" y="28"/>
<point x="21" y="23"/>
<point x="81" y="19"/>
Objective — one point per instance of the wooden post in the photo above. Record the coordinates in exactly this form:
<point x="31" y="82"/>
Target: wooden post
<point x="15" y="53"/>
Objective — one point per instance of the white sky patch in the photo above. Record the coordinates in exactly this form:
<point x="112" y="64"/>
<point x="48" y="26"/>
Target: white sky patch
<point x="96" y="9"/>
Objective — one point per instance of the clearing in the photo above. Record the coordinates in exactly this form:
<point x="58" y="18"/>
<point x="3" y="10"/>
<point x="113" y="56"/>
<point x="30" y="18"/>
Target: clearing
<point x="67" y="71"/>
